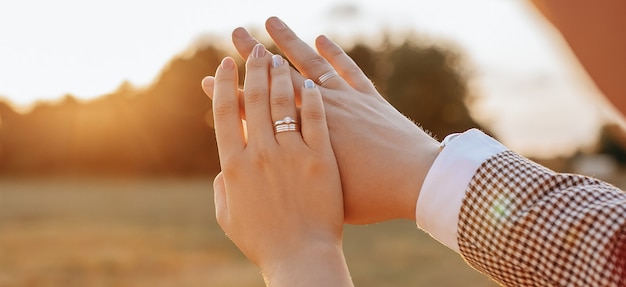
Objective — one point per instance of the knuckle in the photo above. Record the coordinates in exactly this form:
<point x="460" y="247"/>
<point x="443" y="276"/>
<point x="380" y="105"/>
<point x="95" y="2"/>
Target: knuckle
<point x="354" y="72"/>
<point x="255" y="158"/>
<point x="291" y="37"/>
<point x="318" y="165"/>
<point x="281" y="100"/>
<point x="254" y="95"/>
<point x="313" y="115"/>
<point x="261" y="157"/>
<point x="337" y="52"/>
<point x="231" y="167"/>
<point x="223" y="108"/>
<point x="314" y="62"/>
<point x="336" y="102"/>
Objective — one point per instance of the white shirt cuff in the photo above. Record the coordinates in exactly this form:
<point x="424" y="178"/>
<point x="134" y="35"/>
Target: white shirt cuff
<point x="439" y="202"/>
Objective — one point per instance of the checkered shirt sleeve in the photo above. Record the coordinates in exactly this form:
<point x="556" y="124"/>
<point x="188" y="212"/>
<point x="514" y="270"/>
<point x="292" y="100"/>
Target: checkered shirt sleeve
<point x="525" y="225"/>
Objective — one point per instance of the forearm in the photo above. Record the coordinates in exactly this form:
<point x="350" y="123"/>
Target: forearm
<point x="521" y="223"/>
<point x="317" y="265"/>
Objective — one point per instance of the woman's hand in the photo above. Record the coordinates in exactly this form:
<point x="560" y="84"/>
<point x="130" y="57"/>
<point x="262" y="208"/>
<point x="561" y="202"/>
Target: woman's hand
<point x="279" y="195"/>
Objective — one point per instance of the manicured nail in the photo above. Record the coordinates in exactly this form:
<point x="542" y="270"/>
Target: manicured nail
<point x="277" y="23"/>
<point x="309" y="84"/>
<point x="228" y="64"/>
<point x="277" y="60"/>
<point x="258" y="51"/>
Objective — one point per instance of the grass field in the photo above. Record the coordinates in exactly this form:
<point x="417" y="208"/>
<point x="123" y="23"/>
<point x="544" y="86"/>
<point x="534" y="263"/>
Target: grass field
<point x="162" y="232"/>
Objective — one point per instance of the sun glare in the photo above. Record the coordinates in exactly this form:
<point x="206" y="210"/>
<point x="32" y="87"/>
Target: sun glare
<point x="72" y="47"/>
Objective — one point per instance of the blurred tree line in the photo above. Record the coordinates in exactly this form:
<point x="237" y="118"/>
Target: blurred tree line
<point x="165" y="128"/>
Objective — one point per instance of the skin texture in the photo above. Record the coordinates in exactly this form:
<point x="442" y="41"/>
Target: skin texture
<point x="383" y="157"/>
<point x="279" y="196"/>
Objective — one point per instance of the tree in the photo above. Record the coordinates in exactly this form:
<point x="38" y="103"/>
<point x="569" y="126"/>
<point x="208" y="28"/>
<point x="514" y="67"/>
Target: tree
<point x="164" y="128"/>
<point x="425" y="83"/>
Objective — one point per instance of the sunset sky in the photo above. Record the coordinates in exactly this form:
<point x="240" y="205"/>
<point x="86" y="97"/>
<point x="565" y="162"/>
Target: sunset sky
<point x="517" y="62"/>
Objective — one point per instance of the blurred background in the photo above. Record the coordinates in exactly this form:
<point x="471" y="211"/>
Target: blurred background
<point x="107" y="153"/>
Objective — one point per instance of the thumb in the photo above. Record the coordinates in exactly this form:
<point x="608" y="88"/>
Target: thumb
<point x="219" y="194"/>
<point x="207" y="86"/>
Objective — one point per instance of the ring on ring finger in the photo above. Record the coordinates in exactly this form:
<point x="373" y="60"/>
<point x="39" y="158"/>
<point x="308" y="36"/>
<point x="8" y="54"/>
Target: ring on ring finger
<point x="326" y="76"/>
<point x="287" y="124"/>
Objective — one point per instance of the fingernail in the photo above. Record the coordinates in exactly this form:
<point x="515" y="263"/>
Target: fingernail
<point x="240" y="33"/>
<point x="309" y="84"/>
<point x="228" y="64"/>
<point x="258" y="51"/>
<point x="277" y="23"/>
<point x="323" y="40"/>
<point x="277" y="60"/>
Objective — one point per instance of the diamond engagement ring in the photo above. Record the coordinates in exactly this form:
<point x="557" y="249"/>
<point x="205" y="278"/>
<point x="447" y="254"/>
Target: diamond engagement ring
<point x="286" y="125"/>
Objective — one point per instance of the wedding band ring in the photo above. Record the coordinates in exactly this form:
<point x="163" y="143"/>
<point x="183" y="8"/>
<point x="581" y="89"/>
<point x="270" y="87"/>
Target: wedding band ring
<point x="326" y="76"/>
<point x="286" y="125"/>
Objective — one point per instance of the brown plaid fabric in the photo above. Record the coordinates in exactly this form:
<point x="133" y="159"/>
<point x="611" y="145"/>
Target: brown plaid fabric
<point x="525" y="225"/>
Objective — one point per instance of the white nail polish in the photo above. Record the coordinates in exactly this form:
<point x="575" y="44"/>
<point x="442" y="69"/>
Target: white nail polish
<point x="309" y="84"/>
<point x="258" y="51"/>
<point x="277" y="60"/>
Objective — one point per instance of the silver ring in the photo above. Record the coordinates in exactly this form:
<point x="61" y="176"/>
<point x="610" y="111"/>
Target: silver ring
<point x="326" y="76"/>
<point x="286" y="125"/>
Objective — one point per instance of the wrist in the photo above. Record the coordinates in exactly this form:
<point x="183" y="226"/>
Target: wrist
<point x="418" y="164"/>
<point x="317" y="263"/>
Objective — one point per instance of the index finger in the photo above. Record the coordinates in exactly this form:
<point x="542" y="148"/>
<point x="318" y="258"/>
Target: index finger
<point x="228" y="126"/>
